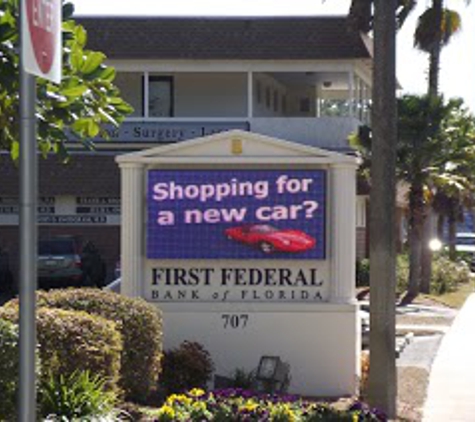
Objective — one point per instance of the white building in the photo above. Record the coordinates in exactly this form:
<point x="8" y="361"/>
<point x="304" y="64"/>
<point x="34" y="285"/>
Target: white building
<point x="302" y="79"/>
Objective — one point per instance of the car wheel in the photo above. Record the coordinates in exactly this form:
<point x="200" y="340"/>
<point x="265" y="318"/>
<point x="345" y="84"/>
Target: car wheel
<point x="266" y="247"/>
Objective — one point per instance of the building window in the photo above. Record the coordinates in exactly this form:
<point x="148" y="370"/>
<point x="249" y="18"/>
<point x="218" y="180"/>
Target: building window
<point x="259" y="92"/>
<point x="131" y="90"/>
<point x="160" y="96"/>
<point x="284" y="104"/>
<point x="268" y="97"/>
<point x="276" y="100"/>
<point x="305" y="105"/>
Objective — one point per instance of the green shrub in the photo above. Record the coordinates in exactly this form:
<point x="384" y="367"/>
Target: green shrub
<point x="447" y="275"/>
<point x="243" y="379"/>
<point x="70" y="340"/>
<point x="185" y="367"/>
<point x="139" y="323"/>
<point x="9" y="369"/>
<point x="78" y="396"/>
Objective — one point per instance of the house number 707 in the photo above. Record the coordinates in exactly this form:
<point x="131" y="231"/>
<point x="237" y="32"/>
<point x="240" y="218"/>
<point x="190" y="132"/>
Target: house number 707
<point x="234" y="320"/>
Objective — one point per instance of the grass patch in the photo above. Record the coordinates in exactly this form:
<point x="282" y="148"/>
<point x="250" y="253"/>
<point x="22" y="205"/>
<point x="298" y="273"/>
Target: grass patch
<point x="456" y="298"/>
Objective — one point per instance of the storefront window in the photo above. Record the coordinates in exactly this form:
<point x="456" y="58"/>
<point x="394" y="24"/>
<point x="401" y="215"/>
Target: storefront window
<point x="131" y="90"/>
<point x="160" y="96"/>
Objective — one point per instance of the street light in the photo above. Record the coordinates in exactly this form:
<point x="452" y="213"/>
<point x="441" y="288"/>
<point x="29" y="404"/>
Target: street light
<point x="435" y="245"/>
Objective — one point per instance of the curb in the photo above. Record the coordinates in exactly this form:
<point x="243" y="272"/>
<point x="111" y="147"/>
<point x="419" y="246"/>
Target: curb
<point x="402" y="342"/>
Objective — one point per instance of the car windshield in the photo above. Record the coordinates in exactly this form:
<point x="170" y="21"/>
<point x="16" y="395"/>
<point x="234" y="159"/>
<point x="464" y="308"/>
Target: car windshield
<point x="56" y="247"/>
<point x="263" y="229"/>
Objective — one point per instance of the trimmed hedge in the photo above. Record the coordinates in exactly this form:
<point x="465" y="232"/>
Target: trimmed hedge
<point x="139" y="323"/>
<point x="9" y="369"/>
<point x="70" y="341"/>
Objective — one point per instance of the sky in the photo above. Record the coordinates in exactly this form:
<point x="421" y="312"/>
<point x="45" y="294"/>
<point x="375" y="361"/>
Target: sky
<point x="457" y="77"/>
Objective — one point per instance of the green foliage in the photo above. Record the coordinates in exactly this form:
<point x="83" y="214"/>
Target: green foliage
<point x="139" y="323"/>
<point x="435" y="157"/>
<point x="402" y="273"/>
<point x="9" y="369"/>
<point x="69" y="341"/>
<point x="362" y="272"/>
<point x="187" y="366"/>
<point x="427" y="33"/>
<point x="78" y="396"/>
<point x="243" y="379"/>
<point x="82" y="104"/>
<point x="447" y="275"/>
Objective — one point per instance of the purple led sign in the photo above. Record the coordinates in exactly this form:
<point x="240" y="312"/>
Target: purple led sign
<point x="236" y="214"/>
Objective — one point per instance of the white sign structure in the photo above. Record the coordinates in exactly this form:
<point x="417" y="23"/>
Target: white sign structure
<point x="41" y="38"/>
<point x="290" y="294"/>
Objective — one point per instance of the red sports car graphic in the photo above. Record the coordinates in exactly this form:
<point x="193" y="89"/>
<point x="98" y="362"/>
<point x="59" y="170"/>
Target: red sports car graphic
<point x="270" y="239"/>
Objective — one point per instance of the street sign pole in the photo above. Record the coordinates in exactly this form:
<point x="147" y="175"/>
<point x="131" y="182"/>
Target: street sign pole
<point x="28" y="247"/>
<point x="28" y="240"/>
<point x="40" y="38"/>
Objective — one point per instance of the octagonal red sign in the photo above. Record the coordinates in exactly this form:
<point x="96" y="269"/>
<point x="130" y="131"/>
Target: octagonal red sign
<point x="41" y="35"/>
<point x="42" y="16"/>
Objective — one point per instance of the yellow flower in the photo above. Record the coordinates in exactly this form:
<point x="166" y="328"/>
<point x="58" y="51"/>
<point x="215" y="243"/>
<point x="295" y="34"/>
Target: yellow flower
<point x="179" y="399"/>
<point x="199" y="406"/>
<point x="166" y="411"/>
<point x="196" y="392"/>
<point x="250" y="406"/>
<point x="283" y="410"/>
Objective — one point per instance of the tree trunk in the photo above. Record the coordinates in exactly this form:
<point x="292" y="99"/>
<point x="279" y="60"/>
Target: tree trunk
<point x="452" y="220"/>
<point x="434" y="55"/>
<point x="432" y="127"/>
<point x="426" y="252"/>
<point x="416" y="224"/>
<point x="440" y="226"/>
<point x="382" y="375"/>
<point x="360" y="14"/>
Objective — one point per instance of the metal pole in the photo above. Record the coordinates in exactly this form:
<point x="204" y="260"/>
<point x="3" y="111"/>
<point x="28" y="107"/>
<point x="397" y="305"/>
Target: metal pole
<point x="28" y="244"/>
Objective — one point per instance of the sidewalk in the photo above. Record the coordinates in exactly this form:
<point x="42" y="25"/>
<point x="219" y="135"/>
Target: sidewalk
<point x="451" y="393"/>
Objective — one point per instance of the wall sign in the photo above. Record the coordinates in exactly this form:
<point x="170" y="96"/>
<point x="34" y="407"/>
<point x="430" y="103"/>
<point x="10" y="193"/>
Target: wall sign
<point x="9" y="205"/>
<point x="236" y="282"/>
<point x="143" y="132"/>
<point x="236" y="214"/>
<point x="92" y="205"/>
<point x="66" y="210"/>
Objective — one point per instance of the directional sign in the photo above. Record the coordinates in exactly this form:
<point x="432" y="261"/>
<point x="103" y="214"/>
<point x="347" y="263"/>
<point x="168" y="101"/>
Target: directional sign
<point x="41" y="32"/>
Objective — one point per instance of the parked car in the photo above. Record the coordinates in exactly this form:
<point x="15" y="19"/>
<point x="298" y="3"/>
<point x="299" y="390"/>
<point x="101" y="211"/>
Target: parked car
<point x="270" y="239"/>
<point x="465" y="242"/>
<point x="6" y="276"/>
<point x="465" y="247"/>
<point x="69" y="261"/>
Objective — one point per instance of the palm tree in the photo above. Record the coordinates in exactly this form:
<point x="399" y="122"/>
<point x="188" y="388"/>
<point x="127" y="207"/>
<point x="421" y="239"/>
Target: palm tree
<point x="455" y="183"/>
<point x="435" y="28"/>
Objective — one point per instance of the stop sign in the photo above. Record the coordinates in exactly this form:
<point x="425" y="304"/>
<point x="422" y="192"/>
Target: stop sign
<point x="41" y="42"/>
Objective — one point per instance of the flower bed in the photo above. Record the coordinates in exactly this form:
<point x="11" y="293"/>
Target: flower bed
<point x="235" y="405"/>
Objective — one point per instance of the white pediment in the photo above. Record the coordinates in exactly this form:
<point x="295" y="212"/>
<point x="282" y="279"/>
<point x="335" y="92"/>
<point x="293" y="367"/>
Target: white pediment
<point x="235" y="146"/>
